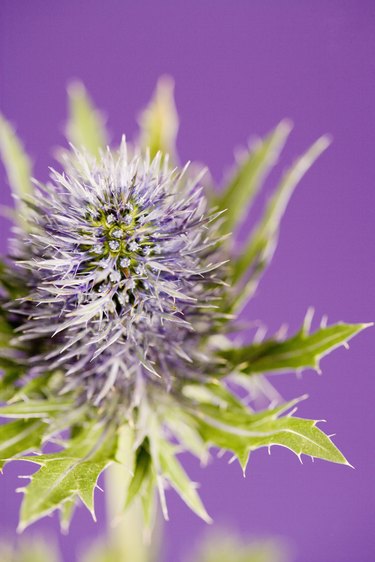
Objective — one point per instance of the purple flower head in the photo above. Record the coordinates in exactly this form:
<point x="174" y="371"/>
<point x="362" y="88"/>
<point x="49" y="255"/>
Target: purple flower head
<point x="125" y="272"/>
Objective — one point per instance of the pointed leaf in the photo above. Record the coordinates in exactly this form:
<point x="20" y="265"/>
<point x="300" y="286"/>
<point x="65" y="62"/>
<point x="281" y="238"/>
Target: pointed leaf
<point x="17" y="165"/>
<point x="215" y="393"/>
<point x="301" y="351"/>
<point x="259" y="250"/>
<point x="7" y="382"/>
<point x="250" y="176"/>
<point x="246" y="419"/>
<point x="85" y="127"/>
<point x="175" y="474"/>
<point x="69" y="474"/>
<point x="180" y="426"/>
<point x="13" y="286"/>
<point x="299" y="435"/>
<point x="159" y="121"/>
<point x="141" y="470"/>
<point x="34" y="409"/>
<point x="35" y="387"/>
<point x="19" y="437"/>
<point x="148" y="498"/>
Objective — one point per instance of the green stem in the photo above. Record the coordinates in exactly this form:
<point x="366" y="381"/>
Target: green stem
<point x="127" y="536"/>
<point x="125" y="530"/>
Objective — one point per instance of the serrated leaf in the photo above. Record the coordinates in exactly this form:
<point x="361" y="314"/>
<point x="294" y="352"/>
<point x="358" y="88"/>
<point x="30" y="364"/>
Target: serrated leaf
<point x="301" y="351"/>
<point x="243" y="436"/>
<point x="17" y="165"/>
<point x="85" y="127"/>
<point x="260" y="248"/>
<point x="34" y="408"/>
<point x="19" y="437"/>
<point x="246" y="418"/>
<point x="172" y="470"/>
<point x="250" y="175"/>
<point x="159" y="120"/>
<point x="69" y="474"/>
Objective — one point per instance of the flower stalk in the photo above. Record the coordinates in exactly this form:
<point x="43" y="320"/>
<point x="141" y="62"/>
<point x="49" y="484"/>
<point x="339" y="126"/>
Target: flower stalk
<point x="127" y="533"/>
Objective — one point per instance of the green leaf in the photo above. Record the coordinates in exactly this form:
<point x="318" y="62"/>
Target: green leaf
<point x="7" y="384"/>
<point x="142" y="468"/>
<point x="17" y="166"/>
<point x="72" y="473"/>
<point x="246" y="418"/>
<point x="19" y="437"/>
<point x="85" y="127"/>
<point x="303" y="350"/>
<point x="142" y="482"/>
<point x="14" y="287"/>
<point x="6" y="331"/>
<point x="250" y="175"/>
<point x="148" y="498"/>
<point x="36" y="387"/>
<point x="35" y="408"/>
<point x="242" y="436"/>
<point x="262" y="242"/>
<point x="159" y="121"/>
<point x="179" y="425"/>
<point x="175" y="474"/>
<point x="213" y="392"/>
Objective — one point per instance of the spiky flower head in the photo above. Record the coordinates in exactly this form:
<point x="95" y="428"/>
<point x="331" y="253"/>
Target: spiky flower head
<point x="124" y="273"/>
<point x="116" y="303"/>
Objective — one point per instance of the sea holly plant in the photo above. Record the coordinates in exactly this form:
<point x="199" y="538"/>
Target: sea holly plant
<point x="119" y="299"/>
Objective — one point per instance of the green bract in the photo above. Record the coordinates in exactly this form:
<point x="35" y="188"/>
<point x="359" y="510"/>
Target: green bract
<point x="194" y="412"/>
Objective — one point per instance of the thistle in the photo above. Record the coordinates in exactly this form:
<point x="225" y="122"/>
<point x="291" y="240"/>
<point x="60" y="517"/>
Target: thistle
<point x="121" y="289"/>
<point x="124" y="276"/>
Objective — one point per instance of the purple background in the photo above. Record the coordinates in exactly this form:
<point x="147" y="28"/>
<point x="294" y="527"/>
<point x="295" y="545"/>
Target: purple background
<point x="239" y="68"/>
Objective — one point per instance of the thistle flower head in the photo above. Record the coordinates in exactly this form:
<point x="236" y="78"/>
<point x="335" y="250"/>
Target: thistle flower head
<point x="124" y="272"/>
